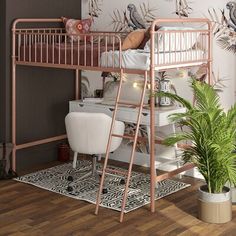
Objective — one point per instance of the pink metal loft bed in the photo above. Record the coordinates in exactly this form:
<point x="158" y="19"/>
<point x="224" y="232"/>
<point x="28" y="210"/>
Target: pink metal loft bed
<point x="169" y="47"/>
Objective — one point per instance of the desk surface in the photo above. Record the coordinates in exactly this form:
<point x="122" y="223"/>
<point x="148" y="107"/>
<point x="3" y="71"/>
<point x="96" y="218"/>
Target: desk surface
<point x="127" y="114"/>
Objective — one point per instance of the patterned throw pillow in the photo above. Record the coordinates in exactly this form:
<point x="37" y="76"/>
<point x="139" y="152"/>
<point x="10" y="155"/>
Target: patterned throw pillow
<point x="77" y="27"/>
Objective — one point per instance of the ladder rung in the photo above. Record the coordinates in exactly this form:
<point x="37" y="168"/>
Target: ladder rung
<point x="116" y="171"/>
<point x="170" y="162"/>
<point x="129" y="104"/>
<point x="123" y="136"/>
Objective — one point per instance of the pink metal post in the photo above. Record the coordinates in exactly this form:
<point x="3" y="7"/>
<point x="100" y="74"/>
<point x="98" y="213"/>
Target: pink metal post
<point x="152" y="120"/>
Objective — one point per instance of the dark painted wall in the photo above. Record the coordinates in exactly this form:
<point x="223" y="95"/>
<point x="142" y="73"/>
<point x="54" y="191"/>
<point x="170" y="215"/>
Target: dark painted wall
<point x="42" y="93"/>
<point x="2" y="69"/>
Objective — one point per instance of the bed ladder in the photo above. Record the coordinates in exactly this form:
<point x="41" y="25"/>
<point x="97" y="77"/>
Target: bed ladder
<point x="134" y="138"/>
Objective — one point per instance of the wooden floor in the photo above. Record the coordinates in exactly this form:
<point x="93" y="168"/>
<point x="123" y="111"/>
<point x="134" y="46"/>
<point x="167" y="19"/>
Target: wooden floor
<point x="28" y="210"/>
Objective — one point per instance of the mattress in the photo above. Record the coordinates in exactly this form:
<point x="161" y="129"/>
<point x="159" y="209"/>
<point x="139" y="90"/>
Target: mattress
<point x="140" y="59"/>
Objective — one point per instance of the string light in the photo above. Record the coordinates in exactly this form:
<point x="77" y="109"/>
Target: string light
<point x="135" y="84"/>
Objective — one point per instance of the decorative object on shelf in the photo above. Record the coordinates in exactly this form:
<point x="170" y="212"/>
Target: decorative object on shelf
<point x="211" y="131"/>
<point x="165" y="86"/>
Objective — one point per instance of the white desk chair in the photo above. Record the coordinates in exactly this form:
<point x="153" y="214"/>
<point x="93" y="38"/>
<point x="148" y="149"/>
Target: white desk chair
<point x="88" y="133"/>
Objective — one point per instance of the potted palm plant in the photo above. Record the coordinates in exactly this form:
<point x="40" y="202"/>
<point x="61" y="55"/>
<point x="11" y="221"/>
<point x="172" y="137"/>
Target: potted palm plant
<point x="211" y="132"/>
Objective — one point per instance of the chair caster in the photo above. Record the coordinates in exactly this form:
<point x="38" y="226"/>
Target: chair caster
<point x="70" y="178"/>
<point x="122" y="181"/>
<point x="104" y="191"/>
<point x="69" y="189"/>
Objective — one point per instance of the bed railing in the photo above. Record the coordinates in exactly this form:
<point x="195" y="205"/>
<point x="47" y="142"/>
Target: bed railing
<point x="188" y="43"/>
<point x="53" y="47"/>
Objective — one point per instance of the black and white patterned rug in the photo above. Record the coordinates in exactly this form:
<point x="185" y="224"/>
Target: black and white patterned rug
<point x="55" y="179"/>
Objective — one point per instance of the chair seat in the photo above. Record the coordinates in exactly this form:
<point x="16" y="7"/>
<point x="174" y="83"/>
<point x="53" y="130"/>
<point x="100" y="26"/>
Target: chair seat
<point x="88" y="133"/>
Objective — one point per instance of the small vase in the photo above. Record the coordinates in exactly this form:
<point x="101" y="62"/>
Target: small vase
<point x="164" y="86"/>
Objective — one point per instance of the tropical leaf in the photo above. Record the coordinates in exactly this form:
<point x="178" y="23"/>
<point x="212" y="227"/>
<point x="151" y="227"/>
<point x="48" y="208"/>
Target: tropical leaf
<point x="219" y="23"/>
<point x="147" y="12"/>
<point x="119" y="21"/>
<point x="94" y="8"/>
<point x="224" y="42"/>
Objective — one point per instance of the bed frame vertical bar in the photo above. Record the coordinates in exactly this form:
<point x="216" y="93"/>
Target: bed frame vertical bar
<point x="91" y="62"/>
<point x="30" y="42"/>
<point x="65" y="54"/>
<point x="77" y="86"/>
<point x="14" y="96"/>
<point x="152" y="120"/>
<point x="210" y="51"/>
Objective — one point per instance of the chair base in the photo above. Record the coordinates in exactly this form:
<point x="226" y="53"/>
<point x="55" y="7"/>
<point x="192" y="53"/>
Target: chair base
<point x="93" y="172"/>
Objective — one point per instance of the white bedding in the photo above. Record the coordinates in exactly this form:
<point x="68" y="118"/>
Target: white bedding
<point x="139" y="59"/>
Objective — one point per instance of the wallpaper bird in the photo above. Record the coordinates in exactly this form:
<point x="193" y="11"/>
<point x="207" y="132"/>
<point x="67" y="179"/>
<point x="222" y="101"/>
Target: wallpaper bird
<point x="232" y="13"/>
<point x="136" y="19"/>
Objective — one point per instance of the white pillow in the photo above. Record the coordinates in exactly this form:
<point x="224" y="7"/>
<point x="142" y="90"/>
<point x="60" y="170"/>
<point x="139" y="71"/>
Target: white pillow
<point x="173" y="41"/>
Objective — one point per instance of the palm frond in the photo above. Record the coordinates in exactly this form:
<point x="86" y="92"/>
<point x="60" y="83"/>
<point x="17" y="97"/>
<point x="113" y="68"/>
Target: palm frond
<point x="147" y="12"/>
<point x="225" y="43"/>
<point x="219" y="23"/>
<point x="119" y="21"/>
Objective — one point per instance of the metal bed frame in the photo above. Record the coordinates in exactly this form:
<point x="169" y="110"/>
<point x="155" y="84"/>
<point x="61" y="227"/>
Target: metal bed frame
<point x="24" y="52"/>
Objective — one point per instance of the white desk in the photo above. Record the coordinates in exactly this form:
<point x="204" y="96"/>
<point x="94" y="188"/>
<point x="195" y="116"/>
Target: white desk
<point x="127" y="114"/>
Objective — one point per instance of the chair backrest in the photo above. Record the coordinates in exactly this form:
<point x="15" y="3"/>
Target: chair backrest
<point x="88" y="133"/>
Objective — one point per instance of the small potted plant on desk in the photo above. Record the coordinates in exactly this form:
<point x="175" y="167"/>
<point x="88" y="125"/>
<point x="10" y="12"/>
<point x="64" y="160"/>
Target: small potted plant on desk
<point x="212" y="133"/>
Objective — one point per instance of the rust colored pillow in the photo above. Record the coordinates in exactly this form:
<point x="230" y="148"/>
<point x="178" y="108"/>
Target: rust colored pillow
<point x="77" y="27"/>
<point x="147" y="37"/>
<point x="133" y="39"/>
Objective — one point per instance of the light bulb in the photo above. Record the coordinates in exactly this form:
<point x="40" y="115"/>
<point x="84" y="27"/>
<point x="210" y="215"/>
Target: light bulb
<point x="135" y="84"/>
